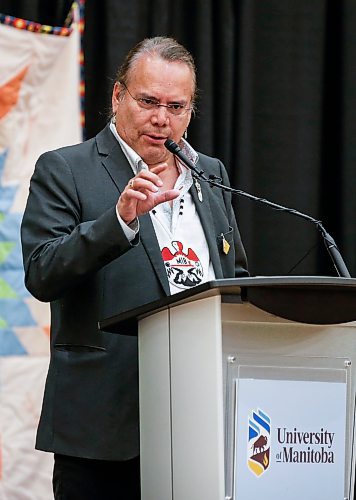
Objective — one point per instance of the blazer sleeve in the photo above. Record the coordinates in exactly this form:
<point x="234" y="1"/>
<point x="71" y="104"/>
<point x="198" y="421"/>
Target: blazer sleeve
<point x="59" y="248"/>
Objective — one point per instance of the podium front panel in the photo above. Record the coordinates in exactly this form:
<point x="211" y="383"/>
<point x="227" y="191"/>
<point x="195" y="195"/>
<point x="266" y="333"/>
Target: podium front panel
<point x="184" y="431"/>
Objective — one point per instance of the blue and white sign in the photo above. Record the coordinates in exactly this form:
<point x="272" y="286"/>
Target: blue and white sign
<point x="290" y="440"/>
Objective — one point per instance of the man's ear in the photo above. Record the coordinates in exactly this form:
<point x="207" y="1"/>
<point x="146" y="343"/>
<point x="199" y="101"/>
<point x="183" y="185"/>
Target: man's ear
<point x="115" y="96"/>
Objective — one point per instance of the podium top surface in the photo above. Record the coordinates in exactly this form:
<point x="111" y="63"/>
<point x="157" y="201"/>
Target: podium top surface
<point x="306" y="299"/>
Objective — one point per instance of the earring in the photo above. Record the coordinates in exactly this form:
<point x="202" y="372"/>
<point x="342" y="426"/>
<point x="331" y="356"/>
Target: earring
<point x="185" y="135"/>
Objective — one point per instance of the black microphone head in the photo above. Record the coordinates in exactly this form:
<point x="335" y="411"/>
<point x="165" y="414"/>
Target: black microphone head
<point x="172" y="146"/>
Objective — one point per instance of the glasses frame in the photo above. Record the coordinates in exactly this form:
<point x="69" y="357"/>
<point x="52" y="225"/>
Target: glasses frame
<point x="152" y="105"/>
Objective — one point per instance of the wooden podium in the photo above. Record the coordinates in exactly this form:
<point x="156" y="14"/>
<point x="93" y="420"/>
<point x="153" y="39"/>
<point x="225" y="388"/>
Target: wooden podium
<point x="200" y="353"/>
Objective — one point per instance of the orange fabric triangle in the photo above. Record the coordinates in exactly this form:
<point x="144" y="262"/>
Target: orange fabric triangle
<point x="9" y="92"/>
<point x="46" y="329"/>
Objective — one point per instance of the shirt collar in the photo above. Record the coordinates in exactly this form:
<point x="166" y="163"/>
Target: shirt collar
<point x="188" y="150"/>
<point x="133" y="158"/>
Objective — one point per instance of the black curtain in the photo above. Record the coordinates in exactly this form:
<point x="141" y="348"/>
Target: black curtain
<point x="277" y="104"/>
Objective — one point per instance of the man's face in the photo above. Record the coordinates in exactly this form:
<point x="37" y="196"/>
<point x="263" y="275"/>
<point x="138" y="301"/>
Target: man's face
<point x="146" y="130"/>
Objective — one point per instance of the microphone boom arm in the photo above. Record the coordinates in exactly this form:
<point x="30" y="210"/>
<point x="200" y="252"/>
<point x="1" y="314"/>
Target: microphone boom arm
<point x="329" y="242"/>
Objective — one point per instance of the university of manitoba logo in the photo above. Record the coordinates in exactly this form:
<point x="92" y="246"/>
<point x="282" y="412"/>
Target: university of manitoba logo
<point x="259" y="442"/>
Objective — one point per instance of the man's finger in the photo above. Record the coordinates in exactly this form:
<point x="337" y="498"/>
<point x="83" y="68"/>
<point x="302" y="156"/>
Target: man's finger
<point x="169" y="195"/>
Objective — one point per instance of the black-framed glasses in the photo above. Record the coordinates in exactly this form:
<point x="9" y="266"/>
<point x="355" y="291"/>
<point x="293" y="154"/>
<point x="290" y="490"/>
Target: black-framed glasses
<point x="174" y="108"/>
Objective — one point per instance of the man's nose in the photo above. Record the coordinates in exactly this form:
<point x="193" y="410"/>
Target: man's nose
<point x="160" y="116"/>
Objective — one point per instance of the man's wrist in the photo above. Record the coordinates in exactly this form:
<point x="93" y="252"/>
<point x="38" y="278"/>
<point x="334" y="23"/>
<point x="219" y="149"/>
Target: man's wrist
<point x="130" y="229"/>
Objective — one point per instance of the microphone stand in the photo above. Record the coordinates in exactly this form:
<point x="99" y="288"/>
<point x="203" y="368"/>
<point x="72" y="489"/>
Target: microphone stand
<point x="329" y="242"/>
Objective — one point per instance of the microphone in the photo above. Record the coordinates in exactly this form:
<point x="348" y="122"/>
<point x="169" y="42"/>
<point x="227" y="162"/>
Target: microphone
<point x="329" y="242"/>
<point x="175" y="149"/>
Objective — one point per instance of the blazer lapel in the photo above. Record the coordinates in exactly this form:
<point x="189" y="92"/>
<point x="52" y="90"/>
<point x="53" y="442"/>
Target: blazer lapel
<point x="118" y="168"/>
<point x="205" y="211"/>
<point x="150" y="242"/>
<point x="113" y="159"/>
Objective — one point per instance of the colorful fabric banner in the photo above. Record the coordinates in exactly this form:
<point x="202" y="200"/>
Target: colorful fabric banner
<point x="40" y="109"/>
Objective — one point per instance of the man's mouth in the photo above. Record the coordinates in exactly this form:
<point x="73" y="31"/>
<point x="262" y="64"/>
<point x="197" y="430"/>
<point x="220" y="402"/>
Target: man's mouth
<point x="156" y="138"/>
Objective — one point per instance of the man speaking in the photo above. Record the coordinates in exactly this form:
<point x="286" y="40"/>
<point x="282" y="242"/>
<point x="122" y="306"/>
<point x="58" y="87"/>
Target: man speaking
<point x="108" y="226"/>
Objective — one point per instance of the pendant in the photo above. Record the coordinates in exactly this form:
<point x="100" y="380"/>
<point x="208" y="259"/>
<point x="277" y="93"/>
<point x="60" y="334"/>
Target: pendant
<point x="198" y="188"/>
<point x="226" y="245"/>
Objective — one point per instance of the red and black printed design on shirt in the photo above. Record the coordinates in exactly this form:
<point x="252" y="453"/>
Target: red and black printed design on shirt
<point x="183" y="269"/>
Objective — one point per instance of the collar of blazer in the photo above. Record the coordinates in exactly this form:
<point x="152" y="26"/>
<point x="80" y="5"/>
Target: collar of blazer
<point x="119" y="170"/>
<point x="206" y="209"/>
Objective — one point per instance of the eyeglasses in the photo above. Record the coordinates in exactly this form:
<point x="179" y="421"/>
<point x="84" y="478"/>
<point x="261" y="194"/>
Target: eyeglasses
<point x="148" y="103"/>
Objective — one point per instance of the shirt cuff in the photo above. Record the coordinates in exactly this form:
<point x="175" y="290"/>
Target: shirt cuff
<point x="131" y="229"/>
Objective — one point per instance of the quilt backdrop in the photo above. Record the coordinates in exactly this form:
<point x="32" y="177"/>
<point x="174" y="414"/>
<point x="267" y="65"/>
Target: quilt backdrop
<point x="40" y="109"/>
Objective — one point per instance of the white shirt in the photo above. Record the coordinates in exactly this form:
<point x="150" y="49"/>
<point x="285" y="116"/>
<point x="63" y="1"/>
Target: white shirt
<point x="178" y="228"/>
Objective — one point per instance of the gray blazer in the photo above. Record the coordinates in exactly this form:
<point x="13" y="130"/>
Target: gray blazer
<point x="77" y="257"/>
